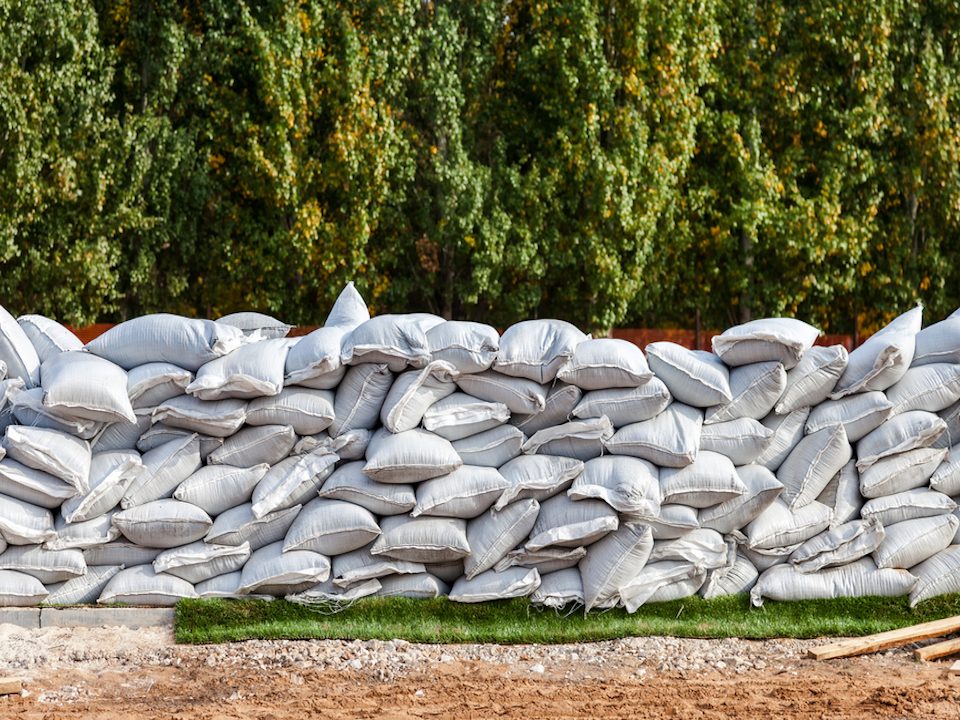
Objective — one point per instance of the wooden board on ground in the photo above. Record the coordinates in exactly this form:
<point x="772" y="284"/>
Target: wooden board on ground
<point x="954" y="670"/>
<point x="10" y="686"/>
<point x="938" y="650"/>
<point x="884" y="640"/>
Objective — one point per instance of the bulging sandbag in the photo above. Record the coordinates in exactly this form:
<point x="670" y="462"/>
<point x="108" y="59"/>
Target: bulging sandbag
<point x="82" y="590"/>
<point x="883" y="358"/>
<point x="538" y="477"/>
<point x="558" y="404"/>
<point x="470" y="347"/>
<point x="783" y="340"/>
<point x="785" y="432"/>
<point x="614" y="561"/>
<point x="513" y="583"/>
<point x="156" y="382"/>
<point x="491" y="448"/>
<point x="563" y="522"/>
<point x="79" y="385"/>
<point x="743" y="440"/>
<point x="671" y="439"/>
<point x="900" y="472"/>
<point x="694" y="377"/>
<point x="218" y="418"/>
<point x="907" y="431"/>
<point x="559" y="589"/>
<point x="812" y="464"/>
<point x="409" y="456"/>
<point x="413" y="392"/>
<point x="359" y="398"/>
<point x="928" y="387"/>
<point x="521" y="395"/>
<point x="605" y="363"/>
<point x="838" y="546"/>
<point x="761" y="488"/>
<point x="239" y="525"/>
<point x="331" y="527"/>
<point x="250" y="446"/>
<point x="755" y="389"/>
<point x="908" y="505"/>
<point x="348" y="482"/>
<point x="141" y="585"/>
<point x="217" y="488"/>
<point x="709" y="480"/>
<point x="163" y="523"/>
<point x="47" y="336"/>
<point x="537" y="349"/>
<point x="33" y="486"/>
<point x="813" y="378"/>
<point x="17" y="352"/>
<point x="18" y="589"/>
<point x="47" y="566"/>
<point x="580" y="439"/>
<point x="860" y="414"/>
<point x="464" y="493"/>
<point x="494" y="533"/>
<point x="858" y="579"/>
<point x="398" y="341"/>
<point x="164" y="468"/>
<point x="910" y="542"/>
<point x="423" y="539"/>
<point x="628" y="485"/>
<point x="623" y="406"/>
<point x="460" y="415"/>
<point x="200" y="561"/>
<point x="306" y="410"/>
<point x="83" y="535"/>
<point x="62" y="455"/>
<point x="937" y="575"/>
<point x="271" y="571"/>
<point x="292" y="482"/>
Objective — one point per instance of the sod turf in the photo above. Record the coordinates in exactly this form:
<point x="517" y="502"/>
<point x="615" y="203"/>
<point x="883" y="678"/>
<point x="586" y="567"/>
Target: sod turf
<point x="516" y="621"/>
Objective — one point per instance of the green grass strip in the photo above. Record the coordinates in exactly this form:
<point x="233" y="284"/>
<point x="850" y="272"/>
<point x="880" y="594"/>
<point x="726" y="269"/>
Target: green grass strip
<point x="516" y="621"/>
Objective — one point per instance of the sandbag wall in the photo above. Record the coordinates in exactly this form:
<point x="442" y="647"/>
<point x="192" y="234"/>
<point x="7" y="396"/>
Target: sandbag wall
<point x="407" y="455"/>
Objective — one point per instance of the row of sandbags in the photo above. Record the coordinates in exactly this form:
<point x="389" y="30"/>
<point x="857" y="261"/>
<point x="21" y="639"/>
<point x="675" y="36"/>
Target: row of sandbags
<point x="407" y="455"/>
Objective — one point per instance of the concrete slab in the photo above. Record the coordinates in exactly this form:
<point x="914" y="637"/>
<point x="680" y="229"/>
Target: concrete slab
<point x="108" y="616"/>
<point x="22" y="617"/>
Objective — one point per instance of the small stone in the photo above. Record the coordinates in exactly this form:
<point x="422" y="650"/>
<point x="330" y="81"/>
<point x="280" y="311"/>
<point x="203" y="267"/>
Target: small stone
<point x="419" y="693"/>
<point x="446" y="658"/>
<point x="538" y="668"/>
<point x="356" y="664"/>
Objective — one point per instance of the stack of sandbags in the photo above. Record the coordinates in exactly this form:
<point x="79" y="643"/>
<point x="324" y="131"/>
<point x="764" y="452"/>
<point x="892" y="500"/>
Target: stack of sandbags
<point x="405" y="455"/>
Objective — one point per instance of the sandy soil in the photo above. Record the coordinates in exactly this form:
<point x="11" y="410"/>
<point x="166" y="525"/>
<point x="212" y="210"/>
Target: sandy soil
<point x="139" y="674"/>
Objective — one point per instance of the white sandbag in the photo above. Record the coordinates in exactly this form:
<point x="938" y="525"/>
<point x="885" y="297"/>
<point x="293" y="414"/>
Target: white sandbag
<point x="399" y="341"/>
<point x="547" y="560"/>
<point x="28" y="409"/>
<point x="120" y="552"/>
<point x="812" y="464"/>
<point x="537" y="476"/>
<point x="460" y="415"/>
<point x="623" y="406"/>
<point x="709" y="480"/>
<point x="838" y="546"/>
<point x="141" y="585"/>
<point x="563" y="522"/>
<point x="673" y="521"/>
<point x="254" y="446"/>
<point x="166" y="338"/>
<point x="605" y="363"/>
<point x="907" y="431"/>
<point x="671" y="439"/>
<point x="786" y="431"/>
<point x="951" y="416"/>
<point x="883" y="358"/>
<point x="78" y="385"/>
<point x="19" y="589"/>
<point x="580" y="439"/>
<point x="199" y="561"/>
<point x="513" y="583"/>
<point x="359" y="566"/>
<point x="559" y="589"/>
<point x="946" y="478"/>
<point x="628" y="485"/>
<point x="765" y="559"/>
<point x="413" y="392"/>
<point x="314" y="361"/>
<point x="662" y="582"/>
<point x="164" y="468"/>
<point x="271" y="571"/>
<point x="225" y="587"/>
<point x="928" y="387"/>
<point x="537" y="349"/>
<point x="82" y="535"/>
<point x="256" y="325"/>
<point x="491" y="448"/>
<point x="779" y="527"/>
<point x="558" y="405"/>
<point x="409" y="457"/>
<point x="22" y="523"/>
<point x="520" y="395"/>
<point x="239" y="525"/>
<point x="908" y="505"/>
<point x="703" y="547"/>
<point x="349" y="310"/>
<point x="251" y="371"/>
<point x="217" y="488"/>
<point x="83" y="590"/>
<point x="218" y="418"/>
<point x="57" y="453"/>
<point x="17" y="352"/>
<point x="738" y="577"/>
<point x="33" y="486"/>
<point x="349" y="483"/>
<point x="291" y="482"/>
<point x="160" y="434"/>
<point x="359" y="398"/>
<point x="331" y="527"/>
<point x="47" y="336"/>
<point x="469" y="346"/>
<point x="495" y="533"/>
<point x="937" y="575"/>
<point x="613" y="561"/>
<point x="154" y="383"/>
<point x="813" y="378"/>
<point x="858" y="579"/>
<point x="938" y="343"/>
<point x="423" y="539"/>
<point x="351" y="445"/>
<point x="694" y="377"/>
<point x="466" y="493"/>
<point x="329" y="594"/>
<point x="755" y="389"/>
<point x="163" y="523"/>
<point x="843" y="496"/>
<point x="783" y="340"/>
<point x="47" y="566"/>
<point x="860" y="414"/>
<point x="306" y="410"/>
<point x="900" y="472"/>
<point x="421" y="586"/>
<point x="744" y="440"/>
<point x="910" y="542"/>
<point x="761" y="488"/>
<point x="122" y="435"/>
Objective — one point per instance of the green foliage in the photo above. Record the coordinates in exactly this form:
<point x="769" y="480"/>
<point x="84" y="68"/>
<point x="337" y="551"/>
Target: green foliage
<point x="614" y="162"/>
<point x="516" y="621"/>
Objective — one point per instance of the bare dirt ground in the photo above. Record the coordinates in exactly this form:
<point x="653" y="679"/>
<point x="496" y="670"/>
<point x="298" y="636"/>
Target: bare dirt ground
<point x="110" y="673"/>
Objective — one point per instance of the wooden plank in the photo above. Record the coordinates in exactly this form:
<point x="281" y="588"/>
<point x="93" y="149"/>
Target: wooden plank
<point x="938" y="650"/>
<point x="884" y="640"/>
<point x="10" y="686"/>
<point x="954" y="670"/>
